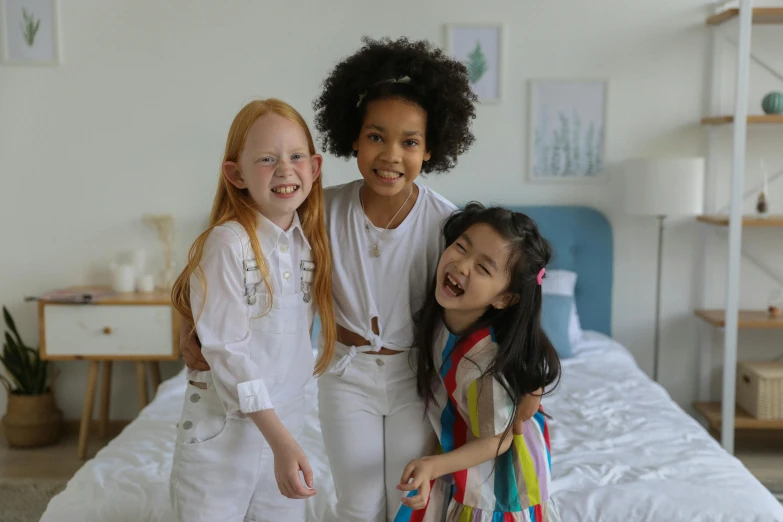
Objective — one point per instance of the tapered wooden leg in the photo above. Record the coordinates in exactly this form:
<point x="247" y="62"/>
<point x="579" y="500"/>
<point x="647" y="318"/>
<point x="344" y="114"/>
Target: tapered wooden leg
<point x="105" y="398"/>
<point x="89" y="400"/>
<point x="154" y="375"/>
<point x="141" y="383"/>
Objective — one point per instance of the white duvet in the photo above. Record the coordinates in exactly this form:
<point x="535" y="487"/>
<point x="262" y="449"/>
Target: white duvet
<point x="622" y="451"/>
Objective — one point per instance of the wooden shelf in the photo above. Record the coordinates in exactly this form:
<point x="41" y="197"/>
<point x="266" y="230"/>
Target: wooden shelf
<point x="747" y="221"/>
<point x="761" y="15"/>
<point x="756" y="118"/>
<point x="747" y="319"/>
<point x="742" y="420"/>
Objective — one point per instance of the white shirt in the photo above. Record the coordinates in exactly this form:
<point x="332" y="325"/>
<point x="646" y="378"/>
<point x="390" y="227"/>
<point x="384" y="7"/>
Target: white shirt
<point x="392" y="286"/>
<point x="256" y="360"/>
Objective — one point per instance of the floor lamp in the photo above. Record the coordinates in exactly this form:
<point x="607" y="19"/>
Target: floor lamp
<point x="663" y="187"/>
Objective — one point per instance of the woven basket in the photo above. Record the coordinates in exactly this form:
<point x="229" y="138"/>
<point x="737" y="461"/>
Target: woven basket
<point x="760" y="389"/>
<point x="32" y="420"/>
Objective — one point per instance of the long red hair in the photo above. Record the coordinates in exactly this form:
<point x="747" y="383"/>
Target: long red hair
<point x="233" y="204"/>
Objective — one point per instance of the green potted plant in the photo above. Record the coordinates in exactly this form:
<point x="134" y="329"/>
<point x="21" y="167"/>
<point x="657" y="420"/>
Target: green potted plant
<point x="32" y="417"/>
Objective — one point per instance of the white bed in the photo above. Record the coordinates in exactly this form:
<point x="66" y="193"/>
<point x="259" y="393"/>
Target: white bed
<point x="622" y="451"/>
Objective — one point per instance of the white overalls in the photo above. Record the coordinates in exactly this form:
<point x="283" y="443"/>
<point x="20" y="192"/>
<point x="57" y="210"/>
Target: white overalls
<point x="223" y="469"/>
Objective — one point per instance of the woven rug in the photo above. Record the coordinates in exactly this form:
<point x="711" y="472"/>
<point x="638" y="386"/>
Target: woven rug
<point x="26" y="500"/>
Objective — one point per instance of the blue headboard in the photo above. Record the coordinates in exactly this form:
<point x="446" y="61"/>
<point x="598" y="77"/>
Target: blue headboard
<point x="582" y="241"/>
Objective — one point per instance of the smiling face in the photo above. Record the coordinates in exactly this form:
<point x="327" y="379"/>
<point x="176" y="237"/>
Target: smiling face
<point x="392" y="146"/>
<point x="275" y="167"/>
<point x="473" y="276"/>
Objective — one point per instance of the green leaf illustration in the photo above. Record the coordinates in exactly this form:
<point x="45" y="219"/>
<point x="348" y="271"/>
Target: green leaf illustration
<point x="30" y="27"/>
<point x="476" y="64"/>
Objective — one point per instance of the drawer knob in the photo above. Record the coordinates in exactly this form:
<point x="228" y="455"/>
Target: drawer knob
<point x="107" y="330"/>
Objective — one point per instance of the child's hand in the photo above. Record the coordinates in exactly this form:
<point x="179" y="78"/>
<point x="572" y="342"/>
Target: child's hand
<point x="289" y="461"/>
<point x="190" y="347"/>
<point x="528" y="407"/>
<point x="417" y="475"/>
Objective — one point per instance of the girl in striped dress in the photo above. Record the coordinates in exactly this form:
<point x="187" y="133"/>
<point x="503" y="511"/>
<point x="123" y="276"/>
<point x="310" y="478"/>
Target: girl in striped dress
<point x="482" y="348"/>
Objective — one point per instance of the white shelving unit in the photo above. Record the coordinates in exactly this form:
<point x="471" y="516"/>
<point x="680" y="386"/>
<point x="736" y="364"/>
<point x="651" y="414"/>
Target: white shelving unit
<point x="723" y="415"/>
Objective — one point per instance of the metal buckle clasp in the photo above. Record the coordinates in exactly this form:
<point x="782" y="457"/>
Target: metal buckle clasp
<point x="250" y="265"/>
<point x="307" y="270"/>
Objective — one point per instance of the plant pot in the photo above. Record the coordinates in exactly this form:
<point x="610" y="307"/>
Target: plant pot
<point x="32" y="420"/>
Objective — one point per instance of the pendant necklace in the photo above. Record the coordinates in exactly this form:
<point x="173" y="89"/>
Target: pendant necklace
<point x="375" y="252"/>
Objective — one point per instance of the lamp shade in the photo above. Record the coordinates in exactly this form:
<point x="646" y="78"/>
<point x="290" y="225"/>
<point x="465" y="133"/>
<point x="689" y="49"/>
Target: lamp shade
<point x="664" y="186"/>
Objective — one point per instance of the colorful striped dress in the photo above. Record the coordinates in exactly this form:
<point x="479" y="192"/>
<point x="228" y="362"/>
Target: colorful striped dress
<point x="470" y="405"/>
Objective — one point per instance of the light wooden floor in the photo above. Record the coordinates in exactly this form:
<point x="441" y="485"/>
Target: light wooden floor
<point x="761" y="452"/>
<point x="51" y="462"/>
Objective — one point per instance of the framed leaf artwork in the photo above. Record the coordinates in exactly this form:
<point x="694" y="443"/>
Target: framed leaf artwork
<point x="29" y="32"/>
<point x="480" y="48"/>
<point x="567" y="129"/>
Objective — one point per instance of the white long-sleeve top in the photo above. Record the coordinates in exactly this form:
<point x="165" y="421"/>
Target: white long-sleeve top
<point x="255" y="362"/>
<point x="391" y="286"/>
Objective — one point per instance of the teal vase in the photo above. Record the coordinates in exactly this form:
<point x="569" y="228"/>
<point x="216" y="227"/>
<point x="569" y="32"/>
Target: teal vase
<point x="773" y="103"/>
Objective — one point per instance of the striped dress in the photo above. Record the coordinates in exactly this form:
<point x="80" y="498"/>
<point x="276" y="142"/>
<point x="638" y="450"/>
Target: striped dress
<point x="470" y="405"/>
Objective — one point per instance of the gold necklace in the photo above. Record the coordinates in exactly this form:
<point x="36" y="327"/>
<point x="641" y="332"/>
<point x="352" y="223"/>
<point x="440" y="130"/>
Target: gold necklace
<point x="376" y="252"/>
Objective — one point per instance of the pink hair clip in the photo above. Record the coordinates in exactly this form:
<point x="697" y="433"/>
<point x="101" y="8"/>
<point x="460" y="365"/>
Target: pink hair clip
<point x="540" y="276"/>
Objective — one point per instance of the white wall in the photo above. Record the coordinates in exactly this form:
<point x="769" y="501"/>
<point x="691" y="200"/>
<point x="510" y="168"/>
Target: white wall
<point x="135" y="119"/>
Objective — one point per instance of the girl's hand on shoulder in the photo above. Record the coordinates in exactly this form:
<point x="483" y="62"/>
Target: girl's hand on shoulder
<point x="289" y="461"/>
<point x="417" y="475"/>
<point x="528" y="407"/>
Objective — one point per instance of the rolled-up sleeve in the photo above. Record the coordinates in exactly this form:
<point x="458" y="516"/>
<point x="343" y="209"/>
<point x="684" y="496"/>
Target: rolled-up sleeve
<point x="223" y="325"/>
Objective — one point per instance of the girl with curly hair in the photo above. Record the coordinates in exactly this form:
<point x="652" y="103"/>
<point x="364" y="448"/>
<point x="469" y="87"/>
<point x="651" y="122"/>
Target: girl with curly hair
<point x="400" y="108"/>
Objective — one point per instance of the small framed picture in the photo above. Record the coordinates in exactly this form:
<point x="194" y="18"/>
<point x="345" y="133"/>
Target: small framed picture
<point x="480" y="48"/>
<point x="567" y="130"/>
<point x="29" y="32"/>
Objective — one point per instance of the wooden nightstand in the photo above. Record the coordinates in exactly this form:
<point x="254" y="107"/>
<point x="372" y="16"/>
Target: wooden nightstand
<point x="143" y="328"/>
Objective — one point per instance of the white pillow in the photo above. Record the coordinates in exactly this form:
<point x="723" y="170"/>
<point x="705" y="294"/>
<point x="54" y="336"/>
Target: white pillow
<point x="563" y="282"/>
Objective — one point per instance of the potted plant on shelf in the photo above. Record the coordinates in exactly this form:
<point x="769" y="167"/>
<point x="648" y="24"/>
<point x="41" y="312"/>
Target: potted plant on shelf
<point x="32" y="417"/>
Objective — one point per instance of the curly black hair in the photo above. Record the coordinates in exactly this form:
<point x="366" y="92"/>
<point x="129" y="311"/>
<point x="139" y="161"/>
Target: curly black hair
<point x="439" y="84"/>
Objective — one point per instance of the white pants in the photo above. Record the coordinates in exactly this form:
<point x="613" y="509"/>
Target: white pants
<point x="373" y="424"/>
<point x="223" y="469"/>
